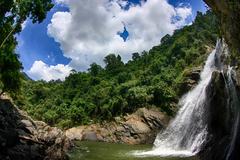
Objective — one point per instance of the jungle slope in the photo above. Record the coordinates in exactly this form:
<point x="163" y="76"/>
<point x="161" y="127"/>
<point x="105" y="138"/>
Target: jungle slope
<point x="151" y="79"/>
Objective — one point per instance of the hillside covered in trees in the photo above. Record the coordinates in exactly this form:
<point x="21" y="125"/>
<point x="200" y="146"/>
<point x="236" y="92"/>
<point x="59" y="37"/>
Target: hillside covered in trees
<point x="153" y="78"/>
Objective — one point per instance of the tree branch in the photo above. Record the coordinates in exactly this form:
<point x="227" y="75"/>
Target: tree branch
<point x="9" y="34"/>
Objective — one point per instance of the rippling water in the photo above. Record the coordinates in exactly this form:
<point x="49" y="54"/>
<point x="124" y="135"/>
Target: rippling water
<point x="109" y="151"/>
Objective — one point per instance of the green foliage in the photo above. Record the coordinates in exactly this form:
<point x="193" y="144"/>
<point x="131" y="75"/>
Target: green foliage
<point x="113" y="63"/>
<point x="135" y="56"/>
<point x="12" y="14"/>
<point x="150" y="79"/>
<point x="95" y="69"/>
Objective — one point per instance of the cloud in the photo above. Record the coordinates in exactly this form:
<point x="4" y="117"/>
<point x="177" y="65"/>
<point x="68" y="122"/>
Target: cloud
<point x="183" y="12"/>
<point x="40" y="70"/>
<point x="89" y="31"/>
<point x="24" y="24"/>
<point x="123" y="3"/>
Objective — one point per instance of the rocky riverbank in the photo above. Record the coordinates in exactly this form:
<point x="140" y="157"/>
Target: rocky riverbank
<point x="140" y="127"/>
<point x="22" y="138"/>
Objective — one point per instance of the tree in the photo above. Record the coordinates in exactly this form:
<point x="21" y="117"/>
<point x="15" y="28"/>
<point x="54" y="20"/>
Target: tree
<point x="123" y="77"/>
<point x="135" y="56"/>
<point x="113" y="63"/>
<point x="12" y="14"/>
<point x="9" y="72"/>
<point x="95" y="69"/>
<point x="165" y="39"/>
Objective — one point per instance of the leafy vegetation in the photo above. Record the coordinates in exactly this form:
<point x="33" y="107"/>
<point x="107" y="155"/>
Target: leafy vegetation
<point x="12" y="14"/>
<point x="151" y="78"/>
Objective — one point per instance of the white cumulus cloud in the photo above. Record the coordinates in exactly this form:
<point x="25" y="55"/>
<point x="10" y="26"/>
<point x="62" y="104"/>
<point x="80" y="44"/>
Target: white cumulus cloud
<point x="88" y="32"/>
<point x="42" y="71"/>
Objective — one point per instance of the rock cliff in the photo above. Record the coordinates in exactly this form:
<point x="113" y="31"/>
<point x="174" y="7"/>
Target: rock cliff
<point x="224" y="142"/>
<point x="229" y="16"/>
<point x="21" y="138"/>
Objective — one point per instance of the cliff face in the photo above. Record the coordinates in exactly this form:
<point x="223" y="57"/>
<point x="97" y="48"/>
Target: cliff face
<point x="229" y="15"/>
<point x="223" y="120"/>
<point x="22" y="138"/>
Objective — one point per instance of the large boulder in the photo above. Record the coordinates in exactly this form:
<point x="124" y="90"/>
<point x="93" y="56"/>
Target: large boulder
<point x="75" y="133"/>
<point x="137" y="128"/>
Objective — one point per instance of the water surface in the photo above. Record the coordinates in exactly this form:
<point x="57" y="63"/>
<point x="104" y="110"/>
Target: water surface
<point x="110" y="151"/>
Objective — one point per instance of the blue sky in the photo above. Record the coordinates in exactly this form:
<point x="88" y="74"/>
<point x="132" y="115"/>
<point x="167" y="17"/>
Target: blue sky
<point x="35" y="44"/>
<point x="197" y="5"/>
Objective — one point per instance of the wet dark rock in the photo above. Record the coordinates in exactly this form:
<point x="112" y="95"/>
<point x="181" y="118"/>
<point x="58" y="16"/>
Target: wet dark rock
<point x="21" y="138"/>
<point x="219" y="111"/>
<point x="220" y="120"/>
<point x="229" y="17"/>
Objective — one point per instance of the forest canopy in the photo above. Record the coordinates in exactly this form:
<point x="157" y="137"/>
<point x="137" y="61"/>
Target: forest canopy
<point x="153" y="78"/>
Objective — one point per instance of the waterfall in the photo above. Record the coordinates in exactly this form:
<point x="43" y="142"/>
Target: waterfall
<point x="188" y="131"/>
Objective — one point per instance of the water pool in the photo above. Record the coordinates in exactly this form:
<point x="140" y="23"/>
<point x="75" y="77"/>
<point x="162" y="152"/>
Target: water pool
<point x="109" y="151"/>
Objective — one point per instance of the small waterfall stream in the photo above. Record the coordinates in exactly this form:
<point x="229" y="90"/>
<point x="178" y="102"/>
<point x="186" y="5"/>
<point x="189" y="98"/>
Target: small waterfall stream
<point x="188" y="131"/>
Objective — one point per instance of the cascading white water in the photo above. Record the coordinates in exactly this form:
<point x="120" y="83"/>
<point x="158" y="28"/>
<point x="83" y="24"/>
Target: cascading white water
<point x="187" y="132"/>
